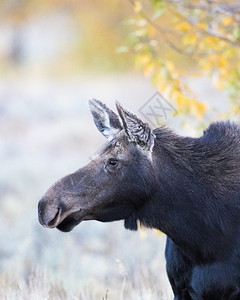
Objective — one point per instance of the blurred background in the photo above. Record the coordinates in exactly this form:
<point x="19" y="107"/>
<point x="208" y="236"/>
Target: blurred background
<point x="170" y="62"/>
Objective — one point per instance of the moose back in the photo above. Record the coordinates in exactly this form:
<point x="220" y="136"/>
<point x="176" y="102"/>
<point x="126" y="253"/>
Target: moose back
<point x="189" y="188"/>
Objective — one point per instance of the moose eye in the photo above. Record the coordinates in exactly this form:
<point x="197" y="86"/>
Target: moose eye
<point x="112" y="162"/>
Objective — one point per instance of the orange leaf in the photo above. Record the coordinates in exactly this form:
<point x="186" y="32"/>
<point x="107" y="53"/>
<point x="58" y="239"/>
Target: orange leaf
<point x="227" y="21"/>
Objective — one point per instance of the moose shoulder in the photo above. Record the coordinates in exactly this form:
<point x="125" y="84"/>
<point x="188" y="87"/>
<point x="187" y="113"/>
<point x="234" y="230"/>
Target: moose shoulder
<point x="189" y="188"/>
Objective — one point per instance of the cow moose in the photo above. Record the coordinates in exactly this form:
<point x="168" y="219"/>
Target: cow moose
<point x="189" y="188"/>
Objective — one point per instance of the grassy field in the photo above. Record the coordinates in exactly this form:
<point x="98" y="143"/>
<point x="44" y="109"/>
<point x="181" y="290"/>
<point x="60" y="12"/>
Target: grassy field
<point x="41" y="286"/>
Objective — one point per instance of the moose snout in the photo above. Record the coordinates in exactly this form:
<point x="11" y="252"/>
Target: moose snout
<point x="48" y="214"/>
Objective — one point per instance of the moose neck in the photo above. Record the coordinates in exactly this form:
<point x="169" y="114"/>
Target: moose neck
<point x="184" y="203"/>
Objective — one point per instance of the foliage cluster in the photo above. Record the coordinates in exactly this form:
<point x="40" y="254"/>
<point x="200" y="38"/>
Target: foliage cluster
<point x="172" y="40"/>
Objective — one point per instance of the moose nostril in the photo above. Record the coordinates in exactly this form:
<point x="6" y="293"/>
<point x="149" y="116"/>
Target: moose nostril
<point x="41" y="206"/>
<point x="54" y="221"/>
<point x="39" y="210"/>
<point x="48" y="213"/>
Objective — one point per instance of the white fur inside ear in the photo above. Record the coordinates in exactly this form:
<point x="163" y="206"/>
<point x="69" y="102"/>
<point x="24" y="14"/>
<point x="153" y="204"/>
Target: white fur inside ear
<point x="98" y="108"/>
<point x="105" y="119"/>
<point x="110" y="133"/>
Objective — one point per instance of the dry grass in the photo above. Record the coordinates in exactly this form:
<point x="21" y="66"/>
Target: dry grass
<point x="38" y="286"/>
<point x="41" y="286"/>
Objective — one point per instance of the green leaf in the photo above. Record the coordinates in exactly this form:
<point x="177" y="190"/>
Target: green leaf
<point x="157" y="2"/>
<point x="140" y="32"/>
<point x="158" y="13"/>
<point x="236" y="33"/>
<point x="122" y="49"/>
<point x="129" y="21"/>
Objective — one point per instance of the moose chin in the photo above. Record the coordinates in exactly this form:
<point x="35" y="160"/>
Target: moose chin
<point x="189" y="188"/>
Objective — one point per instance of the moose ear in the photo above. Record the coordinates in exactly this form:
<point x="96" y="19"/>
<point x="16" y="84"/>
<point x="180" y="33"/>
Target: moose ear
<point x="136" y="130"/>
<point x="105" y="119"/>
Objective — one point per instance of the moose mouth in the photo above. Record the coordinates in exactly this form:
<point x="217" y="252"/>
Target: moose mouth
<point x="67" y="222"/>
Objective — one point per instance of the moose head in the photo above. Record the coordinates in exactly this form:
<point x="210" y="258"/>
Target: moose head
<point x="112" y="186"/>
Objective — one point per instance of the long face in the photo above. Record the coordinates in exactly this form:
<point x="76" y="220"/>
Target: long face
<point x="110" y="187"/>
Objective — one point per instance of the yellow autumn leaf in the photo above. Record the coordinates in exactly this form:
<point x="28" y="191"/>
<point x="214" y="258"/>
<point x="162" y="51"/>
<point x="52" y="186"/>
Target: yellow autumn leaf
<point x="217" y="61"/>
<point x="223" y="62"/>
<point x="229" y="52"/>
<point x="212" y="43"/>
<point x="227" y="21"/>
<point x="137" y="6"/>
<point x="174" y="93"/>
<point x="186" y="104"/>
<point x="144" y="59"/>
<point x="183" y="26"/>
<point x="220" y="84"/>
<point x="156" y="78"/>
<point x="162" y="86"/>
<point x="149" y="69"/>
<point x="236" y="108"/>
<point x="170" y="66"/>
<point x="202" y="26"/>
<point x="161" y="82"/>
<point x="200" y="108"/>
<point x="151" y="31"/>
<point x="190" y="39"/>
<point x="181" y="100"/>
